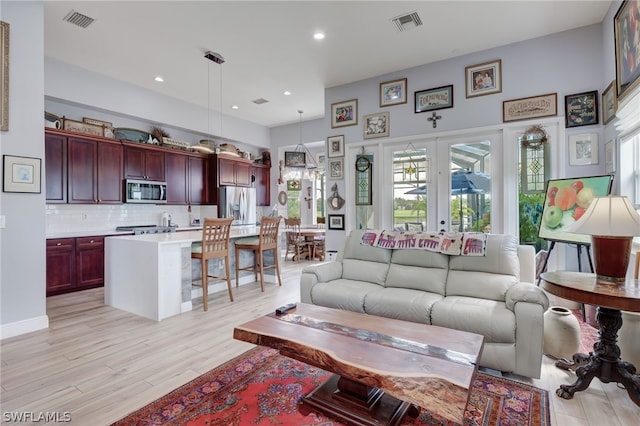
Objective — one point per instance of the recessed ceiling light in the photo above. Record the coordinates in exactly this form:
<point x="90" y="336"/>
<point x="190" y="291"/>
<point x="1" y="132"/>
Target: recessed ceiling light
<point x="159" y="79"/>
<point x="286" y="93"/>
<point x="235" y="107"/>
<point x="318" y="35"/>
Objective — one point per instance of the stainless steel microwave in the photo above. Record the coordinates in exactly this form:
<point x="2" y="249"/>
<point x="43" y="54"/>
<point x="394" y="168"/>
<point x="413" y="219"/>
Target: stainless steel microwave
<point x="145" y="191"/>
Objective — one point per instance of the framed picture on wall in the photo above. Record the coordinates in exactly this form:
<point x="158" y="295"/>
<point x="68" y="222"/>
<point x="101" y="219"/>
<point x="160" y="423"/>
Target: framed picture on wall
<point x="335" y="146"/>
<point x="581" y="109"/>
<point x="21" y="174"/>
<point x="393" y="92"/>
<point x="376" y="125"/>
<point x="609" y="103"/>
<point x="334" y="168"/>
<point x="484" y="79"/>
<point x="625" y="29"/>
<point x="583" y="149"/>
<point x="531" y="107"/>
<point x="336" y="222"/>
<point x="433" y="99"/>
<point x="344" y="113"/>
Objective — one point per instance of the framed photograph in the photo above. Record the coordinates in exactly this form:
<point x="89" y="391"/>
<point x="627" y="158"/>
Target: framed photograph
<point x="581" y="109"/>
<point x="532" y="107"/>
<point x="433" y="99"/>
<point x="320" y="159"/>
<point x="97" y="122"/>
<point x="393" y="92"/>
<point x="295" y="159"/>
<point x="562" y="206"/>
<point x="21" y="174"/>
<point x="609" y="103"/>
<point x="376" y="125"/>
<point x="335" y="146"/>
<point x="610" y="156"/>
<point x="4" y="76"/>
<point x="344" y="113"/>
<point x="625" y="29"/>
<point x="583" y="149"/>
<point x="293" y="185"/>
<point x="335" y="168"/>
<point x="484" y="79"/>
<point x="336" y="222"/>
<point x="80" y="127"/>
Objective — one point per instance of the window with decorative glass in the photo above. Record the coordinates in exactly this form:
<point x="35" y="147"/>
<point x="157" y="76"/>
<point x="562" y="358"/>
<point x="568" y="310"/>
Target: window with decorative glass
<point x="534" y="172"/>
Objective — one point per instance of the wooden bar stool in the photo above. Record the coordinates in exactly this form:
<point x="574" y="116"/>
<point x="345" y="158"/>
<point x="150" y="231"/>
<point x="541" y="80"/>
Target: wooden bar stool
<point x="267" y="240"/>
<point x="214" y="245"/>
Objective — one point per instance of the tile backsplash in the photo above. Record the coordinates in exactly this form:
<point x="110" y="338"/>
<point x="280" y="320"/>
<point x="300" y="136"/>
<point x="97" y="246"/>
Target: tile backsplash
<point x="63" y="218"/>
<point x="86" y="217"/>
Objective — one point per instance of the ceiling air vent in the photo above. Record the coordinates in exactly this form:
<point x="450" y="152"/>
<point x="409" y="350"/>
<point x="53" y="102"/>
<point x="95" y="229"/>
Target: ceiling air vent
<point x="407" y="22"/>
<point x="260" y="101"/>
<point x="78" y="19"/>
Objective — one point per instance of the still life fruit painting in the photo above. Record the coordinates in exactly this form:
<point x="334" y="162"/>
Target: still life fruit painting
<point x="566" y="200"/>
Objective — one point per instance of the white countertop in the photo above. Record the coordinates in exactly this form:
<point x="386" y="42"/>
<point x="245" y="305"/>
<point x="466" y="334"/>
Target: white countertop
<point x="107" y="232"/>
<point x="188" y="236"/>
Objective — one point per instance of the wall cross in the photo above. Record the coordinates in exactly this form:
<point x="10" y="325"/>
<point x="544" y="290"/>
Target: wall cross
<point x="435" y="119"/>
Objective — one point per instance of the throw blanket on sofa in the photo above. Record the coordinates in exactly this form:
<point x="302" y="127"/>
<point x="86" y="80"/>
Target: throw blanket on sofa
<point x="453" y="243"/>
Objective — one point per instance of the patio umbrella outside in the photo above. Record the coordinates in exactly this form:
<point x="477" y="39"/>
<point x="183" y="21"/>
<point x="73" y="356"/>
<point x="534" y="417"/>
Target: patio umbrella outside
<point x="467" y="182"/>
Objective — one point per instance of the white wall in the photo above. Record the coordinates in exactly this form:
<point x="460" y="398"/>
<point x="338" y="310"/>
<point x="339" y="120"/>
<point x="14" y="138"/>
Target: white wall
<point x="22" y="242"/>
<point x="67" y="84"/>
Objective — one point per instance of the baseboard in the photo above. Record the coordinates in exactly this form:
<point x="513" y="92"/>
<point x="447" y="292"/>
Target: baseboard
<point x="22" y="327"/>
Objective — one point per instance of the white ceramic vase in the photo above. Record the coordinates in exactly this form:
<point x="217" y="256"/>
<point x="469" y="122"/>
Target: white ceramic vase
<point x="561" y="333"/>
<point x="629" y="338"/>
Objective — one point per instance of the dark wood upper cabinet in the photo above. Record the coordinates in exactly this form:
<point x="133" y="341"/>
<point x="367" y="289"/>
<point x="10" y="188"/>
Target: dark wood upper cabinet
<point x="197" y="171"/>
<point x="55" y="160"/>
<point x="94" y="171"/>
<point x="145" y="163"/>
<point x="262" y="182"/>
<point x="176" y="179"/>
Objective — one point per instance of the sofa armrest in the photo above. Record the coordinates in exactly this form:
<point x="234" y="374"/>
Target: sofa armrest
<point x="322" y="273"/>
<point x="526" y="292"/>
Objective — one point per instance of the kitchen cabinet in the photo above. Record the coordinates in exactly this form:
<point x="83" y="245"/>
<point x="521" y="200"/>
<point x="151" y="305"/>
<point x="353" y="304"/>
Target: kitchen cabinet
<point x="233" y="172"/>
<point x="186" y="179"/>
<point x="262" y="181"/>
<point x="144" y="162"/>
<point x="94" y="171"/>
<point x="61" y="265"/>
<point x="74" y="264"/>
<point x="55" y="160"/>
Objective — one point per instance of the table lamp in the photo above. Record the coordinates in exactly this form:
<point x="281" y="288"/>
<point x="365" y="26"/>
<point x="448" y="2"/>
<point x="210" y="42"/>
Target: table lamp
<point x="612" y="223"/>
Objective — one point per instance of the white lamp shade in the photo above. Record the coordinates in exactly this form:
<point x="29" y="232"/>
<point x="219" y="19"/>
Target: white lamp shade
<point x="609" y="216"/>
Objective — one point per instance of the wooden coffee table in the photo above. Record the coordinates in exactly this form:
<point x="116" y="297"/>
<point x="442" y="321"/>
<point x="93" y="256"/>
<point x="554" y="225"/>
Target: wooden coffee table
<point x="384" y="368"/>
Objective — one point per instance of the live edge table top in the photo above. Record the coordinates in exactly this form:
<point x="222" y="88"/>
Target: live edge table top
<point x="429" y="366"/>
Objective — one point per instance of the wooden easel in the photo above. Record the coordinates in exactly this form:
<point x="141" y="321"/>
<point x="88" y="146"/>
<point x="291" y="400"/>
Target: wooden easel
<point x="579" y="251"/>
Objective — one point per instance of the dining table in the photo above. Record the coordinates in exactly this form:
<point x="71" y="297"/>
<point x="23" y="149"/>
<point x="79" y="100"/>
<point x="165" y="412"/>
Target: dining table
<point x="310" y="235"/>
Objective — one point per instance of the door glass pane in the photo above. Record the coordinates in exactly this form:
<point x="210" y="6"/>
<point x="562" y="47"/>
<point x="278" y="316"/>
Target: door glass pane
<point x="470" y="187"/>
<point x="534" y="172"/>
<point x="410" y="172"/>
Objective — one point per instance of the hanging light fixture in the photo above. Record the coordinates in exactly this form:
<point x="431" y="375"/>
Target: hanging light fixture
<point x="308" y="167"/>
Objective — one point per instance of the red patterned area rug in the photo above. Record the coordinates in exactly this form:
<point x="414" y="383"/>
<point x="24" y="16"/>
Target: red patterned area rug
<point x="261" y="387"/>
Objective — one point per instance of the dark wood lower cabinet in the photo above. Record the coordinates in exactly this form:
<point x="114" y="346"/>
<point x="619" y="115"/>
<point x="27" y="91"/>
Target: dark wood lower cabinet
<point x="74" y="264"/>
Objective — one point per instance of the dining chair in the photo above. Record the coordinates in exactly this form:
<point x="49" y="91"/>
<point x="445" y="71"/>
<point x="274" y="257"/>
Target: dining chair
<point x="296" y="243"/>
<point x="214" y="245"/>
<point x="319" y="240"/>
<point x="266" y="241"/>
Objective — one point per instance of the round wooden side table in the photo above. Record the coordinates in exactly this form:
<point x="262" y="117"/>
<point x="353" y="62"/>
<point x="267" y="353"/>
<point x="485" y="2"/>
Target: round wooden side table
<point x="604" y="362"/>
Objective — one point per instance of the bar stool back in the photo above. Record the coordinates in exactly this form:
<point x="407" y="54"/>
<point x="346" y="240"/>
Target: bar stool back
<point x="267" y="240"/>
<point x="214" y="245"/>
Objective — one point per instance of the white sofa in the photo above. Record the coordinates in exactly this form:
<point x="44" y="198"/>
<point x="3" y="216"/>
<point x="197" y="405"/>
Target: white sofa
<point x="492" y="295"/>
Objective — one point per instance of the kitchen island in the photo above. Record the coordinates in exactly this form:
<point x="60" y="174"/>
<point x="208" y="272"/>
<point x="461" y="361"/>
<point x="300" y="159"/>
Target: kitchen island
<point x="150" y="275"/>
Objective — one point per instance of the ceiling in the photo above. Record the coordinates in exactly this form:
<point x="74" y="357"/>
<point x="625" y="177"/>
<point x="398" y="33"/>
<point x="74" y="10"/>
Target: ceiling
<point x="268" y="45"/>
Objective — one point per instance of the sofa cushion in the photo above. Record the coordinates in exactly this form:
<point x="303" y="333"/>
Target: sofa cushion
<point x="490" y="318"/>
<point x="353" y="249"/>
<point x="419" y="270"/>
<point x="489" y="276"/>
<point x="342" y="294"/>
<point x="401" y="303"/>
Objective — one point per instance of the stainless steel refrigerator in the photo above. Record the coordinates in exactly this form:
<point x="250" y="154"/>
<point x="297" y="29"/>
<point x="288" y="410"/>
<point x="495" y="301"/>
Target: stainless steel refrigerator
<point x="239" y="203"/>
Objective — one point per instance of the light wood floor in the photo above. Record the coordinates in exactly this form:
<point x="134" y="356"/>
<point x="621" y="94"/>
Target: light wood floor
<point x="99" y="363"/>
